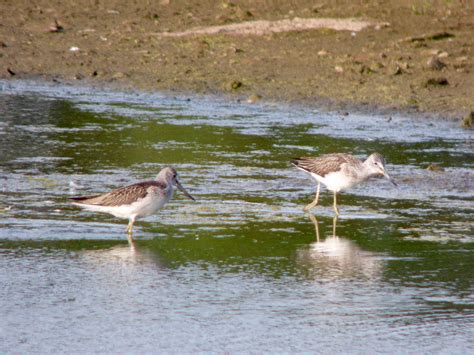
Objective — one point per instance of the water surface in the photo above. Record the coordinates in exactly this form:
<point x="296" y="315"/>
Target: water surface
<point x="242" y="268"/>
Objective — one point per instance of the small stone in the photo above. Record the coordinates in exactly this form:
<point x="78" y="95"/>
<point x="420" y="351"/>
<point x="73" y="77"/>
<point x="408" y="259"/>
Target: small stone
<point x="118" y="75"/>
<point x="443" y="55"/>
<point x="435" y="64"/>
<point x="56" y="28"/>
<point x="403" y="65"/>
<point x="254" y="98"/>
<point x="467" y="120"/>
<point x="235" y="84"/>
<point x="234" y="49"/>
<point x="383" y="55"/>
<point x="462" y="59"/>
<point x="397" y="70"/>
<point x="322" y="53"/>
<point x="375" y="66"/>
<point x="433" y="51"/>
<point x="338" y="69"/>
<point x="436" y="82"/>
<point x="434" y="167"/>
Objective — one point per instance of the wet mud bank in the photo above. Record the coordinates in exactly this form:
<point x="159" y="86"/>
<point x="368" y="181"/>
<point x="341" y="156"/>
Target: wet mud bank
<point x="413" y="56"/>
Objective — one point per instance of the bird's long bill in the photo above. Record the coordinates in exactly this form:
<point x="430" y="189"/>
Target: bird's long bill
<point x="183" y="190"/>
<point x="390" y="179"/>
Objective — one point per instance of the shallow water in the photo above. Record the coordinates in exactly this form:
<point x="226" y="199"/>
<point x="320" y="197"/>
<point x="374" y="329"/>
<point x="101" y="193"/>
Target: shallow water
<point x="240" y="269"/>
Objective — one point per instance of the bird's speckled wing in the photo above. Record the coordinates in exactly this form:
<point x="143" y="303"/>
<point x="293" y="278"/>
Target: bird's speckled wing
<point x="325" y="164"/>
<point x="122" y="196"/>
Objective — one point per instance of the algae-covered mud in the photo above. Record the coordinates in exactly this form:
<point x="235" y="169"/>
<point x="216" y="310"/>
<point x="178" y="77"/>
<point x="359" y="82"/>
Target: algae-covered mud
<point x="415" y="55"/>
<point x="242" y="268"/>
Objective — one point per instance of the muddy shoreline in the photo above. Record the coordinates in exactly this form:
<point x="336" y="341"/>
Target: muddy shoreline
<point x="416" y="56"/>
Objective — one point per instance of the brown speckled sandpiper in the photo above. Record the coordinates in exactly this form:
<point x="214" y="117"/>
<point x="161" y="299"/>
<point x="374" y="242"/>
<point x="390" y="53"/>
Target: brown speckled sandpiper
<point x="340" y="172"/>
<point x="135" y="201"/>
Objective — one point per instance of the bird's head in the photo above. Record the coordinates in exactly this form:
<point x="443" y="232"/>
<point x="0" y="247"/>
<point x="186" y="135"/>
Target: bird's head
<point x="376" y="164"/>
<point x="170" y="176"/>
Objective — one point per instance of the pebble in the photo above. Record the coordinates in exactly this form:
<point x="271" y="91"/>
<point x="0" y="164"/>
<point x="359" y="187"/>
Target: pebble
<point x="397" y="70"/>
<point x="234" y="85"/>
<point x="435" y="63"/>
<point x="254" y="98"/>
<point x="467" y="120"/>
<point x="434" y="167"/>
<point x="118" y="75"/>
<point x="437" y="82"/>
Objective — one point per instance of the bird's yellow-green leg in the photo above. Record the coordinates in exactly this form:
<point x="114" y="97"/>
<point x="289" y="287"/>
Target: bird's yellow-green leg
<point x="315" y="202"/>
<point x="129" y="229"/>
<point x="334" y="222"/>
<point x="316" y="225"/>
<point x="335" y="204"/>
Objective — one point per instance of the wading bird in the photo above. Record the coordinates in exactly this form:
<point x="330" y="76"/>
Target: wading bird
<point x="340" y="172"/>
<point x="135" y="201"/>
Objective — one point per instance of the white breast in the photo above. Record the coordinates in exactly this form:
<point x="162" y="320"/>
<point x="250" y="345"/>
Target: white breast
<point x="337" y="181"/>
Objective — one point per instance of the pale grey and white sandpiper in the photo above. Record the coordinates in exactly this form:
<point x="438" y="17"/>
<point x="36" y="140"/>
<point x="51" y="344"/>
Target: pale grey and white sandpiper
<point x="135" y="201"/>
<point x="340" y="172"/>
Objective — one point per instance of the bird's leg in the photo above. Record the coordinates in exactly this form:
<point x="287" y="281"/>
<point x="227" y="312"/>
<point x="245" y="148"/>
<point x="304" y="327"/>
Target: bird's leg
<point x="316" y="225"/>
<point x="315" y="202"/>
<point x="335" y="204"/>
<point x="334" y="222"/>
<point x="131" y="241"/>
<point x="130" y="232"/>
<point x="129" y="229"/>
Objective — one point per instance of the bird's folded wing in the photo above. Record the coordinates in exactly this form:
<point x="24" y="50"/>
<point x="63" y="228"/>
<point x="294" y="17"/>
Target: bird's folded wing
<point x="324" y="164"/>
<point x="122" y="196"/>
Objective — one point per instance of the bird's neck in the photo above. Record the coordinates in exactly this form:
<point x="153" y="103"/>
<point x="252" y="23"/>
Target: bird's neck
<point x="367" y="170"/>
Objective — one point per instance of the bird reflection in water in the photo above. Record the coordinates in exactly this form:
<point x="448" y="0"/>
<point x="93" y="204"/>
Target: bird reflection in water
<point x="335" y="256"/>
<point x="129" y="256"/>
<point x="316" y="225"/>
